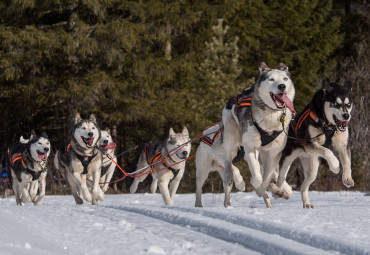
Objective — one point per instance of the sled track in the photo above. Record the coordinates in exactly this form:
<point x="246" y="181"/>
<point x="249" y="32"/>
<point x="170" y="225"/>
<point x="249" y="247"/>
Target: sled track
<point x="254" y="236"/>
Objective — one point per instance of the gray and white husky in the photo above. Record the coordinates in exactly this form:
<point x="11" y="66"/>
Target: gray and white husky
<point x="108" y="167"/>
<point x="210" y="156"/>
<point x="167" y="172"/>
<point x="27" y="167"/>
<point x="318" y="131"/>
<point x="254" y="120"/>
<point x="81" y="157"/>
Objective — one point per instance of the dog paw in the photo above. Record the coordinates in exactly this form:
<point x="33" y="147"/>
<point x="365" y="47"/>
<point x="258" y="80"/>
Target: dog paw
<point x="348" y="182"/>
<point x="95" y="202"/>
<point x="240" y="186"/>
<point x="227" y="204"/>
<point x="260" y="192"/>
<point x="282" y="194"/>
<point x="198" y="205"/>
<point x="334" y="165"/>
<point x="308" y="205"/>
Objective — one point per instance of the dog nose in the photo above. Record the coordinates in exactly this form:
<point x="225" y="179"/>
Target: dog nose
<point x="345" y="116"/>
<point x="90" y="134"/>
<point x="46" y="149"/>
<point x="105" y="141"/>
<point x="281" y="87"/>
<point x="184" y="153"/>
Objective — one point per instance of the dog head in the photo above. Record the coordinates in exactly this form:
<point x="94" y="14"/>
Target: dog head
<point x="175" y="140"/>
<point x="337" y="103"/>
<point x="38" y="146"/>
<point x="275" y="87"/>
<point x="86" y="131"/>
<point x="106" y="141"/>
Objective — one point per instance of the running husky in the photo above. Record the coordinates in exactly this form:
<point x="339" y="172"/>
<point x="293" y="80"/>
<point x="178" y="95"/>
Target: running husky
<point x="165" y="171"/>
<point x="210" y="157"/>
<point x="80" y="157"/>
<point x="255" y="120"/>
<point x="27" y="165"/>
<point x="318" y="131"/>
<point x="108" y="167"/>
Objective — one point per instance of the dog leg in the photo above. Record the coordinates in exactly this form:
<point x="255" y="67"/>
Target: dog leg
<point x="135" y="184"/>
<point x="173" y="187"/>
<point x="17" y="192"/>
<point x="74" y="188"/>
<point x="315" y="149"/>
<point x="33" y="190"/>
<point x="154" y="185"/>
<point x="41" y="196"/>
<point x="310" y="166"/>
<point x="108" y="178"/>
<point x="254" y="167"/>
<point x="203" y="166"/>
<point x="345" y="159"/>
<point x="268" y="170"/>
<point x="81" y="183"/>
<point x="163" y="187"/>
<point x="26" y="198"/>
<point x="97" y="193"/>
<point x="238" y="179"/>
<point x="267" y="200"/>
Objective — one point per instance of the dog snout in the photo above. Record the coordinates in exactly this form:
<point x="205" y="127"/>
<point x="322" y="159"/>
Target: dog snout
<point x="184" y="153"/>
<point x="345" y="116"/>
<point x="46" y="149"/>
<point x="90" y="134"/>
<point x="281" y="87"/>
<point x="105" y="141"/>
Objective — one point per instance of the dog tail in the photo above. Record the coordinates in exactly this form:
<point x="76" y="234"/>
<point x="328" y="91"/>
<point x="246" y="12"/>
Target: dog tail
<point x="23" y="140"/>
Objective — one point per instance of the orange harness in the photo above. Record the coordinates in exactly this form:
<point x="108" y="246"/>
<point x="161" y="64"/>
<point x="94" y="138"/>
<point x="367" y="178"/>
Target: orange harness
<point x="210" y="141"/>
<point x="15" y="158"/>
<point x="296" y="125"/>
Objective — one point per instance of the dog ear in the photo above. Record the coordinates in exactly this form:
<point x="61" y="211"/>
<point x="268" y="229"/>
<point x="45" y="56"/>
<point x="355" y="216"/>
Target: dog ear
<point x="43" y="134"/>
<point x="283" y="67"/>
<point x="325" y="85"/>
<point x="92" y="118"/>
<point x="185" y="131"/>
<point x="108" y="130"/>
<point x="348" y="85"/>
<point x="33" y="134"/>
<point x="77" y="118"/>
<point x="264" y="68"/>
<point x="172" y="133"/>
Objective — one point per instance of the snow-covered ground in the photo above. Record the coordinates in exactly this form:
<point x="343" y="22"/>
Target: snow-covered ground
<point x="141" y="224"/>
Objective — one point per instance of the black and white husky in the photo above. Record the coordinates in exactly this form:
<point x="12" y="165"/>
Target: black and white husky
<point x="27" y="165"/>
<point x="254" y="120"/>
<point x="318" y="131"/>
<point x="168" y="165"/>
<point x="81" y="157"/>
<point x="108" y="167"/>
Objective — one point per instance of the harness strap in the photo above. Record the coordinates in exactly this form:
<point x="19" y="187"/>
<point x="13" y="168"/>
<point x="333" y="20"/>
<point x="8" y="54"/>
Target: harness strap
<point x="85" y="160"/>
<point x="210" y="141"/>
<point x="35" y="175"/>
<point x="241" y="102"/>
<point x="104" y="169"/>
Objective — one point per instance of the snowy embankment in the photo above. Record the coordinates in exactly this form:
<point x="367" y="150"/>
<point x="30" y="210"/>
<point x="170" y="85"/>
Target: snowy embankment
<point x="141" y="224"/>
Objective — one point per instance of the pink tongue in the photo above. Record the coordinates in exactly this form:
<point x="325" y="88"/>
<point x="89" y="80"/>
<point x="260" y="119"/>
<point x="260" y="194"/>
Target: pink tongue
<point x="110" y="146"/>
<point x="43" y="156"/>
<point x="90" y="141"/>
<point x="287" y="102"/>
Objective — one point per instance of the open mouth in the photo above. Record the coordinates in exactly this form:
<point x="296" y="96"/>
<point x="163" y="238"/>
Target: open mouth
<point x="109" y="146"/>
<point x="88" y="141"/>
<point x="341" y="124"/>
<point x="41" y="155"/>
<point x="281" y="100"/>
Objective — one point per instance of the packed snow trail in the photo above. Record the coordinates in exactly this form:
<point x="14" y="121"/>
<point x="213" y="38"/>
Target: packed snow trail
<point x="141" y="224"/>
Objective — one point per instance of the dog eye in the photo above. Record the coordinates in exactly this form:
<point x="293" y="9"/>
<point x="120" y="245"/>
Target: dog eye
<point x="271" y="79"/>
<point x="39" y="143"/>
<point x="93" y="127"/>
<point x="83" y="128"/>
<point x="285" y="78"/>
<point x="348" y="105"/>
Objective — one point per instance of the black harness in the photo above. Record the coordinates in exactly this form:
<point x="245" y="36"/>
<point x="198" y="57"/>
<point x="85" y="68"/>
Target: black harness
<point x="85" y="160"/>
<point x="104" y="169"/>
<point x="156" y="157"/>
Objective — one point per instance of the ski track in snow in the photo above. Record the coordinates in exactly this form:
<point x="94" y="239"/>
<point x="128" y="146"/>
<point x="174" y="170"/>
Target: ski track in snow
<point x="141" y="224"/>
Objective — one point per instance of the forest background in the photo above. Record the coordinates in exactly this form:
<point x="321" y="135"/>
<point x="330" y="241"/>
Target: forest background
<point x="144" y="66"/>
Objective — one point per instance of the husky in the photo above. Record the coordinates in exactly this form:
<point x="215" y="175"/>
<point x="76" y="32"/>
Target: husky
<point x="81" y="157"/>
<point x="166" y="162"/>
<point x="319" y="131"/>
<point x="26" y="163"/>
<point x="258" y="120"/>
<point x="210" y="156"/>
<point x="108" y="167"/>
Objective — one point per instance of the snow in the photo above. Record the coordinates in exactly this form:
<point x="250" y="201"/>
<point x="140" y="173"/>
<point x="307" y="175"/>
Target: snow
<point x="142" y="224"/>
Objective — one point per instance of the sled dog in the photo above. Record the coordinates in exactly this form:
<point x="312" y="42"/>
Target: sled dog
<point x="319" y="131"/>
<point x="166" y="171"/>
<point x="210" y="156"/>
<point x="108" y="167"/>
<point x="255" y="120"/>
<point x="80" y="157"/>
<point x="27" y="167"/>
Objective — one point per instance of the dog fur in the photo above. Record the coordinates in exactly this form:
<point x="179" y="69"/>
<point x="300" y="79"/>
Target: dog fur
<point x="108" y="166"/>
<point x="28" y="180"/>
<point x="165" y="177"/>
<point x="70" y="160"/>
<point x="322" y="136"/>
<point x="272" y="94"/>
